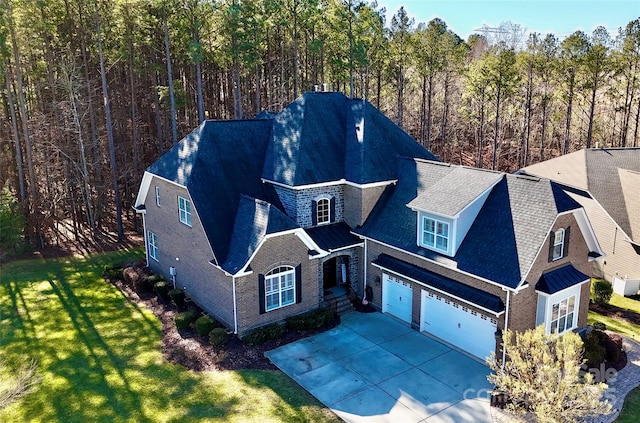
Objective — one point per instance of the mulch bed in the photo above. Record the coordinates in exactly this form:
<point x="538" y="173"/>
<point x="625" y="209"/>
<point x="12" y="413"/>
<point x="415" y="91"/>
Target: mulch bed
<point x="617" y="312"/>
<point x="189" y="349"/>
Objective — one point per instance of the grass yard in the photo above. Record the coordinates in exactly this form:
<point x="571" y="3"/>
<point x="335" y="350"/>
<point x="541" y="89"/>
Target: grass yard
<point x="626" y="328"/>
<point x="631" y="409"/>
<point x="100" y="359"/>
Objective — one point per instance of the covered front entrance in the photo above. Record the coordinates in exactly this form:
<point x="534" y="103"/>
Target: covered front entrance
<point x="458" y="325"/>
<point x="335" y="272"/>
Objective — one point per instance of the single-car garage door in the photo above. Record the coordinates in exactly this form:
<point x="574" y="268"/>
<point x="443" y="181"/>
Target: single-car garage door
<point x="458" y="325"/>
<point x="396" y="297"/>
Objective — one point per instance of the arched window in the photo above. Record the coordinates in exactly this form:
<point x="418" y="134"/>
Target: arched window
<point x="323" y="211"/>
<point x="279" y="287"/>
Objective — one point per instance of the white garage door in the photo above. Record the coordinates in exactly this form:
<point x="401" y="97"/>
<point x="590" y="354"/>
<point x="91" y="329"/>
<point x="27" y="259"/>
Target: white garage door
<point x="396" y="297"/>
<point x="466" y="329"/>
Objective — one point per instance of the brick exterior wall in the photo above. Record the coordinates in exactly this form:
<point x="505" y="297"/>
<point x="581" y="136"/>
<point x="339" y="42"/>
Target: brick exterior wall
<point x="297" y="203"/>
<point x="359" y="202"/>
<point x="187" y="249"/>
<point x="355" y="269"/>
<point x="284" y="250"/>
<point x="522" y="305"/>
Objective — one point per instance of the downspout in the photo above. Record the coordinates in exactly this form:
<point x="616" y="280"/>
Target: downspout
<point x="506" y="326"/>
<point x="144" y="228"/>
<point x="235" y="307"/>
<point x="366" y="264"/>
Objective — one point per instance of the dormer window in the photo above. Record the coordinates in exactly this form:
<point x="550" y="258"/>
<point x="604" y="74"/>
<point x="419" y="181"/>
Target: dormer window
<point x="323" y="211"/>
<point x="435" y="234"/>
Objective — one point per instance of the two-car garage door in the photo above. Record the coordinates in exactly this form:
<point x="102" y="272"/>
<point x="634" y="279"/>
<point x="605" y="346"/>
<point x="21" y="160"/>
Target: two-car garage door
<point x="452" y="322"/>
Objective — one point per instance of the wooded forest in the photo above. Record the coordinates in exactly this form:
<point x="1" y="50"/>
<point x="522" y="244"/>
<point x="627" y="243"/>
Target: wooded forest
<point x="95" y="90"/>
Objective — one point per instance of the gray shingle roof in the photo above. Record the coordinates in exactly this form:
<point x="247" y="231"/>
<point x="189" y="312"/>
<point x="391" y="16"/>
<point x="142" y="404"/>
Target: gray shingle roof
<point x="467" y="184"/>
<point x="218" y="162"/>
<point x="450" y="286"/>
<point x="610" y="177"/>
<point x="254" y="219"/>
<point x="505" y="237"/>
<point x="324" y="137"/>
<point x="559" y="279"/>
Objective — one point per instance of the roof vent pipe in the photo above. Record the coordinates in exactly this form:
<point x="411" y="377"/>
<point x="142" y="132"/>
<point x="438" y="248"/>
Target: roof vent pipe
<point x="325" y="87"/>
<point x="597" y="144"/>
<point x="316" y="88"/>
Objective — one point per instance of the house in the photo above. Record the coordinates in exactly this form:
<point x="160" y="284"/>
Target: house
<point x="260" y="219"/>
<point x="606" y="182"/>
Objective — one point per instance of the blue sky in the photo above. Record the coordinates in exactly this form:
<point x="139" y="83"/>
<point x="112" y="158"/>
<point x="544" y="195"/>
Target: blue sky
<point x="559" y="17"/>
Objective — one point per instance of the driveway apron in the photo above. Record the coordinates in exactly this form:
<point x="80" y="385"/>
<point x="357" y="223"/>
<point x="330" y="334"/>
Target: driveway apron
<point x="373" y="368"/>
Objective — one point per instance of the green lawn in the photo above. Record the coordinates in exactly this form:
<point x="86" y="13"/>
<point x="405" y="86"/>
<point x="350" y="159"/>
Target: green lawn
<point x="631" y="409"/>
<point x="620" y="326"/>
<point x="100" y="359"/>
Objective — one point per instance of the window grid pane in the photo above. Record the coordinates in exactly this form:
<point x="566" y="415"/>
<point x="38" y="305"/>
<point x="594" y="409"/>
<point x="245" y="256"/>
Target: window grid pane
<point x="435" y="234"/>
<point x="153" y="245"/>
<point x="184" y="206"/>
<point x="279" y="288"/>
<point x="322" y="211"/>
<point x="562" y="315"/>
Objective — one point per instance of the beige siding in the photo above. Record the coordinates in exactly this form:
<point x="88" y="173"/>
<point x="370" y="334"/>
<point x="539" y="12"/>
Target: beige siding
<point x="621" y="258"/>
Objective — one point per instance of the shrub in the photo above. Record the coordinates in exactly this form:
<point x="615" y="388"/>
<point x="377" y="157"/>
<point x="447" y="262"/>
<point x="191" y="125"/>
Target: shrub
<point x="184" y="319"/>
<point x="156" y="277"/>
<point x="218" y="337"/>
<point x="312" y="320"/>
<point x="543" y="376"/>
<point x="112" y="272"/>
<point x="602" y="291"/>
<point x="177" y="296"/>
<point x="162" y="288"/>
<point x="266" y="333"/>
<point x="599" y="326"/>
<point x="205" y="324"/>
<point x="594" y="352"/>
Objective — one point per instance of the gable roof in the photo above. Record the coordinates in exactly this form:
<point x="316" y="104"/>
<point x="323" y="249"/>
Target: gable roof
<point x="325" y="137"/>
<point x="254" y="220"/>
<point x="503" y="241"/>
<point x="218" y="162"/>
<point x="610" y="175"/>
<point x="467" y="184"/>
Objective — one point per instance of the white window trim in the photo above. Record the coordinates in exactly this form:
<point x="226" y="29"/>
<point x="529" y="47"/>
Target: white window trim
<point x="566" y="314"/>
<point x="434" y="246"/>
<point x="152" y="246"/>
<point x="279" y="275"/>
<point x="328" y="215"/>
<point x="558" y="243"/>
<point x="183" y="213"/>
<point x="157" y="196"/>
<point x="556" y="299"/>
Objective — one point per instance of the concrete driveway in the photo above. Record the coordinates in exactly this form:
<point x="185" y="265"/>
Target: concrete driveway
<point x="373" y="368"/>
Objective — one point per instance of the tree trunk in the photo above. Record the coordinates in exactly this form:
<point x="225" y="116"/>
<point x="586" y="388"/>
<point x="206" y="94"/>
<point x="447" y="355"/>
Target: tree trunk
<point x="429" y="103"/>
<point x="592" y="112"/>
<point x="567" y="130"/>
<point x="112" y="149"/>
<point x="495" y="134"/>
<point x="16" y="137"/>
<point x="172" y="98"/>
<point x="481" y="140"/>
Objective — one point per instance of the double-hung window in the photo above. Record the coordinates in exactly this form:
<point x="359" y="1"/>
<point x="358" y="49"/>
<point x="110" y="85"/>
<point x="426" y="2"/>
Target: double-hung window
<point x="158" y="196"/>
<point x="435" y="234"/>
<point x="563" y="315"/>
<point x="279" y="287"/>
<point x="184" y="207"/>
<point x="152" y="248"/>
<point x="558" y="245"/>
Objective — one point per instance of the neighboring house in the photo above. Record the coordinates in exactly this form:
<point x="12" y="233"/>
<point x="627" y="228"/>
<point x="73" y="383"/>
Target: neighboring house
<point x="606" y="182"/>
<point x="258" y="219"/>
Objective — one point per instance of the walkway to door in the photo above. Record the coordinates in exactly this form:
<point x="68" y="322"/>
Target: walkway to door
<point x="374" y="368"/>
